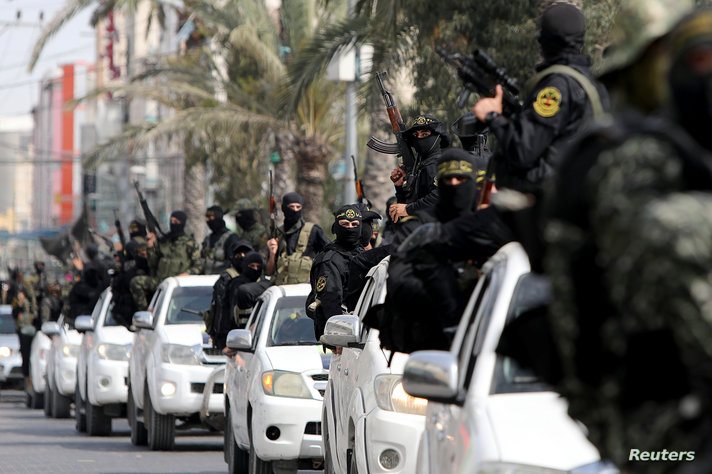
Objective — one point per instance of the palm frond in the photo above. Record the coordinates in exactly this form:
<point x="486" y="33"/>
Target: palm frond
<point x="246" y="39"/>
<point x="63" y="16"/>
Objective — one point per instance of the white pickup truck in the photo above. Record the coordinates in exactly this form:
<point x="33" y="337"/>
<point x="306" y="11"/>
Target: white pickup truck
<point x="171" y="360"/>
<point x="102" y="369"/>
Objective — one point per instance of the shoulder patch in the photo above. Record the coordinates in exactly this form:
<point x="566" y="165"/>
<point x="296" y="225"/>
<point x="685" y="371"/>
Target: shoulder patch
<point x="548" y="102"/>
<point x="321" y="283"/>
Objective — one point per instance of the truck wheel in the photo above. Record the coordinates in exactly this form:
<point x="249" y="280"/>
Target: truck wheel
<point x="351" y="459"/>
<point x="139" y="436"/>
<point x="161" y="428"/>
<point x="36" y="400"/>
<point x="60" y="404"/>
<point x="237" y="459"/>
<point x="98" y="423"/>
<point x="79" y="411"/>
<point x="47" y="405"/>
<point x="257" y="465"/>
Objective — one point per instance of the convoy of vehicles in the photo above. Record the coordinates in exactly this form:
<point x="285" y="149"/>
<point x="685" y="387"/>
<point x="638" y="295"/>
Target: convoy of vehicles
<point x="286" y="404"/>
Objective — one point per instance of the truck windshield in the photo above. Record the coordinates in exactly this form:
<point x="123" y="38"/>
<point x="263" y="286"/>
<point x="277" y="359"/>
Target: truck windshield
<point x="187" y="304"/>
<point x="290" y="324"/>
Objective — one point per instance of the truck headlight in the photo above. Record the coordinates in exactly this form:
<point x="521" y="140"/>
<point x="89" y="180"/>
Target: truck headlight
<point x="179" y="354"/>
<point x="391" y="396"/>
<point x="5" y="352"/>
<point x="70" y="350"/>
<point x="112" y="352"/>
<point x="285" y="384"/>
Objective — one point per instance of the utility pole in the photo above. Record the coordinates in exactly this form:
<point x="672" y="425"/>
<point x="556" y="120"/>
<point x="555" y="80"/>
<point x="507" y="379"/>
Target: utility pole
<point x="351" y="125"/>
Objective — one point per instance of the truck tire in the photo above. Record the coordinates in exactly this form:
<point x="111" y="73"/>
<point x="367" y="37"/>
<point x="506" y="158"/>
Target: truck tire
<point x="61" y="405"/>
<point x="80" y="415"/>
<point x="47" y="405"/>
<point x="237" y="459"/>
<point x="98" y="423"/>
<point x="139" y="437"/>
<point x="161" y="428"/>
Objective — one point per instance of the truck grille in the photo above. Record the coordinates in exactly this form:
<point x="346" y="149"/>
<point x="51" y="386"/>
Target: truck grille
<point x="199" y="387"/>
<point x="313" y="428"/>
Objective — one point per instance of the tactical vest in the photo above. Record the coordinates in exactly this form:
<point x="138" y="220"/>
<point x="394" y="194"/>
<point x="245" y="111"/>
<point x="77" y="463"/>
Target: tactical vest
<point x="214" y="257"/>
<point x="295" y="268"/>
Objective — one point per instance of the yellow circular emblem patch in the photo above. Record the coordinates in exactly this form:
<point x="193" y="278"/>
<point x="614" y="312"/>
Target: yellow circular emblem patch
<point x="321" y="283"/>
<point x="548" y="102"/>
<point x="350" y="214"/>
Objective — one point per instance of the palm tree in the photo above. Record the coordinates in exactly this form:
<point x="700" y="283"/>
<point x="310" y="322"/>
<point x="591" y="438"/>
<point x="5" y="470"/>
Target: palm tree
<point x="227" y="109"/>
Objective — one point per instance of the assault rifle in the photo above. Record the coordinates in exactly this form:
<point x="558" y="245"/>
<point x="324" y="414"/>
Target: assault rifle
<point x="272" y="216"/>
<point x="400" y="147"/>
<point x="359" y="186"/>
<point x="480" y="74"/>
<point x="151" y="222"/>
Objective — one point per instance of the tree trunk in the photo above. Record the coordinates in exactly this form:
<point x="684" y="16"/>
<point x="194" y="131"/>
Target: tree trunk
<point x="312" y="156"/>
<point x="285" y="171"/>
<point x="194" y="204"/>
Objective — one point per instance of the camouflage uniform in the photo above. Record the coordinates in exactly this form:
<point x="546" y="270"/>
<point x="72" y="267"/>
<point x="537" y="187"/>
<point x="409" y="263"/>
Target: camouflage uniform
<point x="169" y="257"/>
<point x="251" y="229"/>
<point x="630" y="258"/>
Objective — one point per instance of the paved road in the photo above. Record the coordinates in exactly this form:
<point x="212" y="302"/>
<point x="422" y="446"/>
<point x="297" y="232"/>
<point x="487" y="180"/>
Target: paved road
<point x="32" y="443"/>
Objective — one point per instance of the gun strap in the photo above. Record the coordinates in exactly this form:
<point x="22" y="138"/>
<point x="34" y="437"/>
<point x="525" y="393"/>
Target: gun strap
<point x="586" y="84"/>
<point x="303" y="240"/>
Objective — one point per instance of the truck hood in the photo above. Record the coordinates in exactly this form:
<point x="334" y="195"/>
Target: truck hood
<point x="10" y="340"/>
<point x="185" y="334"/>
<point x="534" y="429"/>
<point x="116" y="335"/>
<point x="296" y="358"/>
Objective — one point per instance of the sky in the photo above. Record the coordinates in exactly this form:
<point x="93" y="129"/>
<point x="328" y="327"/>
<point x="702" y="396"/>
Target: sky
<point x="19" y="89"/>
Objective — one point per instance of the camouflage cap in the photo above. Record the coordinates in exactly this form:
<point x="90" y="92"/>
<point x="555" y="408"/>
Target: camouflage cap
<point x="638" y="24"/>
<point x="243" y="204"/>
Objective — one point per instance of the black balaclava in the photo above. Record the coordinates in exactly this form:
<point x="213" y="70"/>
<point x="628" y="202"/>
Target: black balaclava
<point x="39" y="267"/>
<point x="367" y="223"/>
<point x="456" y="200"/>
<point x="239" y="246"/>
<point x="218" y="223"/>
<point x="137" y="229"/>
<point x="250" y="273"/>
<point x="178" y="229"/>
<point x="245" y="218"/>
<point x="92" y="251"/>
<point x="562" y="30"/>
<point x="438" y="138"/>
<point x="291" y="217"/>
<point x="690" y="76"/>
<point x="349" y="238"/>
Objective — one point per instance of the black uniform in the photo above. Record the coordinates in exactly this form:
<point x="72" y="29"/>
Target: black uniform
<point x="330" y="270"/>
<point x="427" y="287"/>
<point x="316" y="243"/>
<point x="529" y="146"/>
<point x="423" y="192"/>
